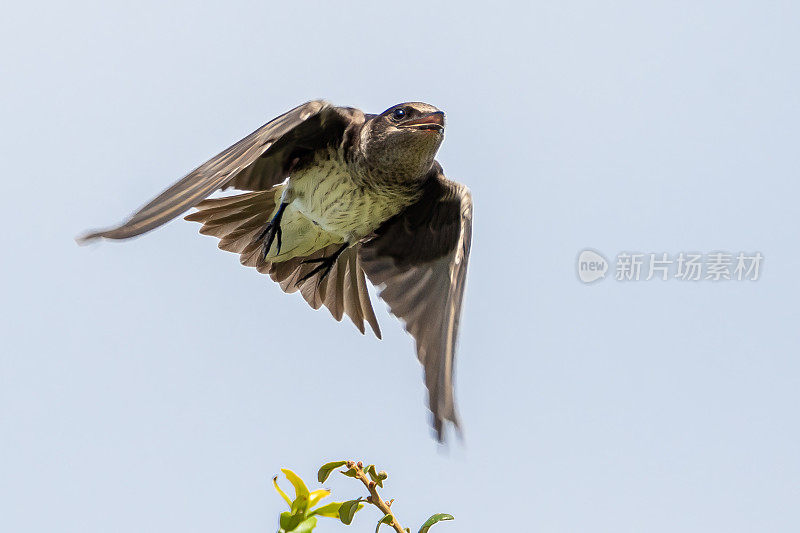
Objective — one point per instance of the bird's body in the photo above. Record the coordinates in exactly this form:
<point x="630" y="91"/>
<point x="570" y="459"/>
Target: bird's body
<point x="338" y="196"/>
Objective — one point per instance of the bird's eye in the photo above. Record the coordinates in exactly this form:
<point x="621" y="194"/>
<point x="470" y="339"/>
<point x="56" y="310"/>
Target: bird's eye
<point x="399" y="113"/>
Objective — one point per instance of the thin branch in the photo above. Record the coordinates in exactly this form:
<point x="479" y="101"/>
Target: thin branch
<point x="374" y="498"/>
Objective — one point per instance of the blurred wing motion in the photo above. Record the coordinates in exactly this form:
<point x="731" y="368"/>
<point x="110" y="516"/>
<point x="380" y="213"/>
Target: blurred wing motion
<point x="257" y="162"/>
<point x="419" y="257"/>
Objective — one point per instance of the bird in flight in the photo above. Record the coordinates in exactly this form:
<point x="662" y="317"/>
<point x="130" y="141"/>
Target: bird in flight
<point x="335" y="194"/>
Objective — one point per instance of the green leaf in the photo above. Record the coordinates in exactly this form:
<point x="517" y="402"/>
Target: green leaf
<point x="306" y="525"/>
<point x="348" y="510"/>
<point x="286" y="517"/>
<point x="330" y="510"/>
<point x="387" y="519"/>
<point x="280" y="491"/>
<point x="352" y="472"/>
<point x="432" y="520"/>
<point x="316" y="496"/>
<point x="326" y="469"/>
<point x="374" y="476"/>
<point x="290" y="521"/>
<point x="299" y="505"/>
<point x="300" y="488"/>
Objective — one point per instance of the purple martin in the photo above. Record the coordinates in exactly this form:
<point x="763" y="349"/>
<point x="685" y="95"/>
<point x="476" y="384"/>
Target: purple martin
<point x="335" y="194"/>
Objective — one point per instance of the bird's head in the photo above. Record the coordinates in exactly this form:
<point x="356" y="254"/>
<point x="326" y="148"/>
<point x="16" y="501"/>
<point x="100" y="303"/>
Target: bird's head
<point x="403" y="139"/>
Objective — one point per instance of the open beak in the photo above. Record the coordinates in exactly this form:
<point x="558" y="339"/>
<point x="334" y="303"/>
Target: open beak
<point x="432" y="121"/>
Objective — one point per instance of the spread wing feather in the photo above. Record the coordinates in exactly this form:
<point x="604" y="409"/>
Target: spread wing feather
<point x="419" y="258"/>
<point x="238" y="222"/>
<point x="257" y="162"/>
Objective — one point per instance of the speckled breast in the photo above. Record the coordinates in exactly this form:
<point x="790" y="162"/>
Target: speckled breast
<point x="343" y="203"/>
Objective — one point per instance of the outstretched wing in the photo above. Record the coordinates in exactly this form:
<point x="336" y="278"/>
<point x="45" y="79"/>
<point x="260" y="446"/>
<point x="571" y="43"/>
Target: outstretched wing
<point x="257" y="162"/>
<point x="419" y="257"/>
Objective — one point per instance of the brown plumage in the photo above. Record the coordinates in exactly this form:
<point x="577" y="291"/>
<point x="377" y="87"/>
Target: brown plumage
<point x="338" y="195"/>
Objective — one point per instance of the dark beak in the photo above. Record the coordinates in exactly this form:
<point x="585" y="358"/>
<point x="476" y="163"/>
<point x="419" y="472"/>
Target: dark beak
<point x="432" y="121"/>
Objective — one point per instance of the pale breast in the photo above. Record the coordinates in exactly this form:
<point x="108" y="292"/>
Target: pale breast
<point x="342" y="204"/>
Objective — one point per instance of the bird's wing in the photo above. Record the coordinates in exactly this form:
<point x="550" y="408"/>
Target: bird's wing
<point x="419" y="258"/>
<point x="239" y="220"/>
<point x="256" y="162"/>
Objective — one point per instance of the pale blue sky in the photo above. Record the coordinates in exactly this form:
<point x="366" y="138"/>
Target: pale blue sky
<point x="156" y="385"/>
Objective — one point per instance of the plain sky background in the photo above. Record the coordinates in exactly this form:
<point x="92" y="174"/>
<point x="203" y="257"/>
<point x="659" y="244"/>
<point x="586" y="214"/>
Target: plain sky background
<point x="156" y="385"/>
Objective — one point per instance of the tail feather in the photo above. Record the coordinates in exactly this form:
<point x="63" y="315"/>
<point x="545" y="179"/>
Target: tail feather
<point x="239" y="220"/>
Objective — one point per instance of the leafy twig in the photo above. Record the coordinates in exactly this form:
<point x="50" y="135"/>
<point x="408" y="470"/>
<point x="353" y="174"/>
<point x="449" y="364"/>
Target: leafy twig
<point x="374" y="498"/>
<point x="303" y="510"/>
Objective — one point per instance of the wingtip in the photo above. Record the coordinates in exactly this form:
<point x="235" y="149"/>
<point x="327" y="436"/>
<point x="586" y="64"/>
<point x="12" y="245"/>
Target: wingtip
<point x="439" y="422"/>
<point x="360" y="326"/>
<point x="88" y="238"/>
<point x="375" y="327"/>
<point x="439" y="429"/>
<point x="195" y="216"/>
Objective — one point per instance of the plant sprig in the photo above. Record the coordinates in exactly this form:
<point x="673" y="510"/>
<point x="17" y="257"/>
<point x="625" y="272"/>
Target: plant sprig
<point x="302" y="514"/>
